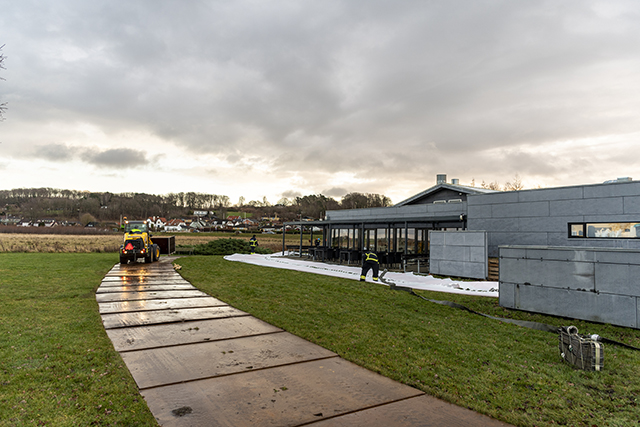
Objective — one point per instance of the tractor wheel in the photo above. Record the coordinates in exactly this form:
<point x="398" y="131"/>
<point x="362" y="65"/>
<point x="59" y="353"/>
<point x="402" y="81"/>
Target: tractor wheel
<point x="148" y="258"/>
<point x="156" y="253"/>
<point x="124" y="260"/>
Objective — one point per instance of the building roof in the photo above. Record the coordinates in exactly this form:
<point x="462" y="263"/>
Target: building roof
<point x="454" y="187"/>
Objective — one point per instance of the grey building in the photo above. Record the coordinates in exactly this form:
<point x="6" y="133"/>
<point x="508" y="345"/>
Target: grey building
<point x="571" y="251"/>
<point x="600" y="215"/>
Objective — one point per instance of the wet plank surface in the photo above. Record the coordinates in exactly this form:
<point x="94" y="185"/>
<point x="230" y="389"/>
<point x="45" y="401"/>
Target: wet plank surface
<point x="134" y="281"/>
<point x="120" y="320"/>
<point x="164" y="335"/>
<point x="160" y="304"/>
<point x="149" y="295"/>
<point x="283" y="396"/>
<point x="424" y="411"/>
<point x="186" y="286"/>
<point x="168" y="365"/>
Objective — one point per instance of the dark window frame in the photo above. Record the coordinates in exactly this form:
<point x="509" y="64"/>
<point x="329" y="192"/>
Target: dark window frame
<point x="584" y="232"/>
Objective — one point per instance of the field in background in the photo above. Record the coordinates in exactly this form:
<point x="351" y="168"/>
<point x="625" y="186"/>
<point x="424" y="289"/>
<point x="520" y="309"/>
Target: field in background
<point x="62" y="243"/>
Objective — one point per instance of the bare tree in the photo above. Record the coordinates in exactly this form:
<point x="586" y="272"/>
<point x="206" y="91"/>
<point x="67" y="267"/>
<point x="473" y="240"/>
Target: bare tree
<point x="495" y="185"/>
<point x="514" y="185"/>
<point x="3" y="106"/>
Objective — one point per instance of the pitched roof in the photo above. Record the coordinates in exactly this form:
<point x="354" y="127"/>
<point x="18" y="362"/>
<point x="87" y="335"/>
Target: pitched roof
<point x="454" y="187"/>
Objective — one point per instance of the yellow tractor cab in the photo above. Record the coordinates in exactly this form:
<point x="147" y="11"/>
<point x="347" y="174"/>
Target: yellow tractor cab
<point x="137" y="243"/>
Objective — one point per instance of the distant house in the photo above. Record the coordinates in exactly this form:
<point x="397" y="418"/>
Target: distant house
<point x="175" y="225"/>
<point x="197" y="225"/>
<point x="248" y="222"/>
<point x="156" y="222"/>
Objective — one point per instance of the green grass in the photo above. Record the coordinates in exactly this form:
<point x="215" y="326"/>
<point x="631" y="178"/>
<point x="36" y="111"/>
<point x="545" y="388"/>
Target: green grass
<point x="57" y="365"/>
<point x="502" y="370"/>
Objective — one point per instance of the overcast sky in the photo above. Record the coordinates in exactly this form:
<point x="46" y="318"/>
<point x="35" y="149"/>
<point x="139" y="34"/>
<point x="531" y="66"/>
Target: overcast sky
<point x="285" y="98"/>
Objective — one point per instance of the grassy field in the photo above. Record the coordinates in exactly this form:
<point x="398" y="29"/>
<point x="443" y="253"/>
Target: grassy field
<point x="502" y="370"/>
<point x="60" y="243"/>
<point x="59" y="368"/>
<point x="57" y="364"/>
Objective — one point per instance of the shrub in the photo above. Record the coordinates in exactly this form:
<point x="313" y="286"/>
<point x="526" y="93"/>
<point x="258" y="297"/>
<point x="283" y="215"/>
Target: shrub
<point x="226" y="247"/>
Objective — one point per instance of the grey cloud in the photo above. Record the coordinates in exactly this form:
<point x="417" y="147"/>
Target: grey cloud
<point x="335" y="192"/>
<point x="291" y="194"/>
<point x="117" y="158"/>
<point x="391" y="91"/>
<point x="54" y="152"/>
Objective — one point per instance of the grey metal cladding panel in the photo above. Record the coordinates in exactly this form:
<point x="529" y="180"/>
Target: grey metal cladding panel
<point x="498" y="239"/>
<point x="436" y="252"/>
<point x="562" y="254"/>
<point x="515" y="210"/>
<point x="611" y="218"/>
<point x="555" y="274"/>
<point x="479" y="211"/>
<point x="474" y="270"/>
<point x="508" y="252"/>
<point x="511" y="269"/>
<point x="465" y="238"/>
<point x="561" y="239"/>
<point x="604" y="206"/>
<point x="618" y="256"/>
<point x="548" y="224"/>
<point x="618" y="279"/>
<point x="613" y="190"/>
<point x="506" y="297"/>
<point x="436" y="237"/>
<point x="478" y="254"/>
<point x="494" y="224"/>
<point x="460" y="253"/>
<point x="631" y="205"/>
<point x="603" y="308"/>
<point x="563" y="193"/>
<point x="475" y="238"/>
<point x="447" y="208"/>
<point x="493" y="198"/>
<point x="461" y="269"/>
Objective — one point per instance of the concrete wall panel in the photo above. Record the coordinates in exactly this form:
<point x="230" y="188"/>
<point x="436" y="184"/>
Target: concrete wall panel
<point x="612" y="190"/>
<point x="520" y="210"/>
<point x="608" y="206"/>
<point x="492" y="198"/>
<point x="506" y="297"/>
<point x="631" y="205"/>
<point x="563" y="193"/>
<point x="458" y="253"/>
<point x="595" y="284"/>
<point x="479" y="211"/>
<point x="615" y="309"/>
<point x="618" y="279"/>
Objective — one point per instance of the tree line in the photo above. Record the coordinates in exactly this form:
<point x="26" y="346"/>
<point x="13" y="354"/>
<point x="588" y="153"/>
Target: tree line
<point x="83" y="206"/>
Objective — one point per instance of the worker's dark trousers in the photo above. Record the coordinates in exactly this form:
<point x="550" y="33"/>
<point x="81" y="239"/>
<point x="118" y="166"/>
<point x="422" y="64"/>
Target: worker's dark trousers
<point x="369" y="265"/>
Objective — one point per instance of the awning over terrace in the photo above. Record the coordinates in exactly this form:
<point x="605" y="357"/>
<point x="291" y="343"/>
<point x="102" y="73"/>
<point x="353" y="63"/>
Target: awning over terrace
<point x="394" y="238"/>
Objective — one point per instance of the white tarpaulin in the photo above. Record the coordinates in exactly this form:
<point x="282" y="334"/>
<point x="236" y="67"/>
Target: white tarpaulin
<point x="409" y="280"/>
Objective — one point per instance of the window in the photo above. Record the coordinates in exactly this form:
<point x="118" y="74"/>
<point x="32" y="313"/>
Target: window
<point x="604" y="230"/>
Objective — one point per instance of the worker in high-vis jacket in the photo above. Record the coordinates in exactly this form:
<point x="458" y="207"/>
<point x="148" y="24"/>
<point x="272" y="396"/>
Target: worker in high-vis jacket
<point x="253" y="242"/>
<point x="369" y="262"/>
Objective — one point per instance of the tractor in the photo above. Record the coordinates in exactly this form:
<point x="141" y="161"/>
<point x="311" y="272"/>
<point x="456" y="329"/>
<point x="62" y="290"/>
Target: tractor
<point x="137" y="243"/>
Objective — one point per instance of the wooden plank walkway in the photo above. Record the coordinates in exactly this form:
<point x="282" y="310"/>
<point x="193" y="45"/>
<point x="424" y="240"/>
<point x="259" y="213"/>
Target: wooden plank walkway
<point x="199" y="362"/>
